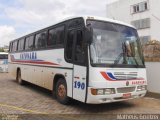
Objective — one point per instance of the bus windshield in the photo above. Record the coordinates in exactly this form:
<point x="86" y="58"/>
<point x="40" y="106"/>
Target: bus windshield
<point x="115" y="44"/>
<point x="3" y="56"/>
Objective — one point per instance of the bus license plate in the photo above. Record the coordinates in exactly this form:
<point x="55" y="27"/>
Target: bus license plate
<point x="127" y="95"/>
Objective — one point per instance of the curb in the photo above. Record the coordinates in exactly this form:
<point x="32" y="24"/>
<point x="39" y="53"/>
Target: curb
<point x="153" y="95"/>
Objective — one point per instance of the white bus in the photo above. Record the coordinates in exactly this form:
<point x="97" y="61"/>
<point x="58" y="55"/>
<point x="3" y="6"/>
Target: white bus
<point x="3" y="62"/>
<point x="90" y="59"/>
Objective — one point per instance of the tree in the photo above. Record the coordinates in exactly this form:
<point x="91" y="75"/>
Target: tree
<point x="1" y="50"/>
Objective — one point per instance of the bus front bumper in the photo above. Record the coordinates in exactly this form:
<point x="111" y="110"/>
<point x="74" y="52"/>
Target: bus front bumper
<point x="100" y="99"/>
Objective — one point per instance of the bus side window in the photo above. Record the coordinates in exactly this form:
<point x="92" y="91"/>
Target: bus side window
<point x="29" y="43"/>
<point x="20" y="44"/>
<point x="60" y="35"/>
<point x="14" y="46"/>
<point x="69" y="45"/>
<point x="79" y="47"/>
<point x="40" y="40"/>
<point x="51" y="38"/>
<point x="56" y="36"/>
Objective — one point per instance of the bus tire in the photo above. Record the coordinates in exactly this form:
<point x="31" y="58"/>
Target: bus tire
<point x="61" y="92"/>
<point x="19" y="78"/>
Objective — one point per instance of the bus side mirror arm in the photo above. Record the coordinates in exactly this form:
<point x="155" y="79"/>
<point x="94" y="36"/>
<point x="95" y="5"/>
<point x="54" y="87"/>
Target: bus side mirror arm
<point x="88" y="34"/>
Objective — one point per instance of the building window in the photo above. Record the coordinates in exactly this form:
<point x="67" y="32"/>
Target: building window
<point x="134" y="9"/>
<point x="142" y="23"/>
<point x="140" y="7"/>
<point x="145" y="6"/>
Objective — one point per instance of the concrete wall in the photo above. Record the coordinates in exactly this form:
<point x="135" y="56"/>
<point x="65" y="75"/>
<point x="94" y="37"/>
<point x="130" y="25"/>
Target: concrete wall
<point x="155" y="19"/>
<point x="153" y="76"/>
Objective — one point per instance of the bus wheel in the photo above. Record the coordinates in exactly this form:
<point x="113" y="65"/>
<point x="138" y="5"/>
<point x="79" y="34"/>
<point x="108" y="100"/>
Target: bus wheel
<point x="61" y="92"/>
<point x="19" y="79"/>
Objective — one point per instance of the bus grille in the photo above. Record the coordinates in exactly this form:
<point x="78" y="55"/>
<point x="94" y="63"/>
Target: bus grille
<point x="126" y="75"/>
<point x="125" y="89"/>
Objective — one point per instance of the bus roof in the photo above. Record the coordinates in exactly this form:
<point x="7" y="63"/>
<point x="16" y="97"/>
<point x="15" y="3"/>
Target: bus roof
<point x="99" y="18"/>
<point x="85" y="18"/>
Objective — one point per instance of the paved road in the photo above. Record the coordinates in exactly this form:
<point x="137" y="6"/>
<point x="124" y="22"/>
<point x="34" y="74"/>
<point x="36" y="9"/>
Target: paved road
<point x="16" y="99"/>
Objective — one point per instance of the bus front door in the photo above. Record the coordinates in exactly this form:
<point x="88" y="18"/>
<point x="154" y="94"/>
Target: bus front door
<point x="80" y="69"/>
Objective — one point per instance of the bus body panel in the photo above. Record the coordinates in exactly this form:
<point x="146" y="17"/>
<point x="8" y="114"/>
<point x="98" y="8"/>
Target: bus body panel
<point x="102" y="78"/>
<point x="100" y="99"/>
<point x="50" y="58"/>
<point x="40" y="67"/>
<point x="79" y="82"/>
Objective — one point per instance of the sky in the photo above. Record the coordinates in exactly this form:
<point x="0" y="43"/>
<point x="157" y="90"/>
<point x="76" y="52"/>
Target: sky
<point x="20" y="17"/>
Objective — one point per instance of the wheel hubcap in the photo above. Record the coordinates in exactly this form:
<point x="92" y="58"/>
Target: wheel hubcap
<point x="61" y="91"/>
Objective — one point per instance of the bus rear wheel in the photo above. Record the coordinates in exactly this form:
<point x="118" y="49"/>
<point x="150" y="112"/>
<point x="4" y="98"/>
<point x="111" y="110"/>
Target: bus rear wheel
<point x="19" y="78"/>
<point x="61" y="92"/>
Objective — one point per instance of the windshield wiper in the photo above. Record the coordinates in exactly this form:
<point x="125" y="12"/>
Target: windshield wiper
<point x="116" y="61"/>
<point x="129" y="53"/>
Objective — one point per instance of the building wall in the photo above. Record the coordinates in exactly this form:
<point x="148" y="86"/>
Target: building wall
<point x="153" y="76"/>
<point x="121" y="10"/>
<point x="155" y="19"/>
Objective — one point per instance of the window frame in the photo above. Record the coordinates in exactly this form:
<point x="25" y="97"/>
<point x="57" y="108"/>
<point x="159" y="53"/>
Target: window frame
<point x="25" y="43"/>
<point x="64" y="37"/>
<point x="72" y="60"/>
<point x="13" y="46"/>
<point x="69" y="29"/>
<point x="42" y="31"/>
<point x="19" y="44"/>
<point x="57" y="46"/>
<point x="138" y="6"/>
<point x="74" y="48"/>
<point x="142" y="23"/>
<point x="65" y="52"/>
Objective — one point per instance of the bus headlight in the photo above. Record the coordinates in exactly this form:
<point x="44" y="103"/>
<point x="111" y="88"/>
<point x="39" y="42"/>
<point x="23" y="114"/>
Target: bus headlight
<point x="109" y="91"/>
<point x="106" y="91"/>
<point x="141" y="88"/>
<point x="100" y="91"/>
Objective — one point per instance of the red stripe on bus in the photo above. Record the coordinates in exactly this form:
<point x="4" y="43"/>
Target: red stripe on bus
<point x="106" y="76"/>
<point x="35" y="62"/>
<point x="109" y="79"/>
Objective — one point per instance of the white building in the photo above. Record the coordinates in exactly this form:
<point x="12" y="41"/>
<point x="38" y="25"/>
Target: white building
<point x="143" y="14"/>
